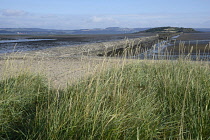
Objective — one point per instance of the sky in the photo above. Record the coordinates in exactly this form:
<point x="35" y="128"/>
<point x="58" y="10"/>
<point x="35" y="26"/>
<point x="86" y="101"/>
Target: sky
<point x="89" y="14"/>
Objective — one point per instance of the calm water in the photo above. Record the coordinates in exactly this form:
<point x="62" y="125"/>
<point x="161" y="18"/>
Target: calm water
<point x="24" y="44"/>
<point x="21" y="45"/>
<point x="23" y="40"/>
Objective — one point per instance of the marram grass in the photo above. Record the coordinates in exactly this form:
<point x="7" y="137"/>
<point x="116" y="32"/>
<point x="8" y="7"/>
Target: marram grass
<point x="143" y="100"/>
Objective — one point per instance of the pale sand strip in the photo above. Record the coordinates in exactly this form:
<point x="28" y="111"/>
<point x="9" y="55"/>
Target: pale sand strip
<point x="59" y="71"/>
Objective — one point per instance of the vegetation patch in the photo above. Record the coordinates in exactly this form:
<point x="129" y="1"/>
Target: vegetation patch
<point x="163" y="100"/>
<point x="170" y="30"/>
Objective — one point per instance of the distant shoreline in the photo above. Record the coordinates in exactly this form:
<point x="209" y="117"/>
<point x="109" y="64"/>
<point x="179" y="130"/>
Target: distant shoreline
<point x="106" y="45"/>
<point x="51" y="41"/>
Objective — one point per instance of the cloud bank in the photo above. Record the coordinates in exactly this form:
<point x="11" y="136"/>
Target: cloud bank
<point x="11" y="12"/>
<point x="10" y="18"/>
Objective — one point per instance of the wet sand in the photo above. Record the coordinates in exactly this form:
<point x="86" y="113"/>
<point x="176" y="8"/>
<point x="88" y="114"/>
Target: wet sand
<point x="89" y="49"/>
<point x="59" y="41"/>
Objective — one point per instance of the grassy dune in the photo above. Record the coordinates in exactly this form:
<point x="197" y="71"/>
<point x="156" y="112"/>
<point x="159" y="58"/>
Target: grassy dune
<point x="142" y="100"/>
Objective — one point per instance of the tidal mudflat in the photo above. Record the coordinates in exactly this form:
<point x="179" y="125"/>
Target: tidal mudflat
<point x="41" y="42"/>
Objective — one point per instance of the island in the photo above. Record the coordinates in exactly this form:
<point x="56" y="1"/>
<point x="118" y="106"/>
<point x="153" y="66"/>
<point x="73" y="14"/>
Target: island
<point x="170" y="30"/>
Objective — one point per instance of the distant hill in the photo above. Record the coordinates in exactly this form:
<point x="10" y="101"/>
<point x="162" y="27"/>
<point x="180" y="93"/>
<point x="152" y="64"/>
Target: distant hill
<point x="170" y="30"/>
<point x="109" y="30"/>
<point x="37" y="31"/>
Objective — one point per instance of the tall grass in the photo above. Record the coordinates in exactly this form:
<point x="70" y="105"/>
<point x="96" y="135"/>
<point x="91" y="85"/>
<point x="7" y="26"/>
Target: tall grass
<point x="19" y="98"/>
<point x="142" y="100"/>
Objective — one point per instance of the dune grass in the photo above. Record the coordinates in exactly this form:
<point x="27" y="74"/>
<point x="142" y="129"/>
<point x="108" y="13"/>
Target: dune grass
<point x="142" y="100"/>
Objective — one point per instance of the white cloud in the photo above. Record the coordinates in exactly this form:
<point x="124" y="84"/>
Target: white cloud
<point x="11" y="12"/>
<point x="143" y="16"/>
<point x="101" y="19"/>
<point x="49" y="16"/>
<point x="20" y="18"/>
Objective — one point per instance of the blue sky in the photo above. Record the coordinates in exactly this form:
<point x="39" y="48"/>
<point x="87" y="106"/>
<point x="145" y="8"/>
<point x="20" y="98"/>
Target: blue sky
<point x="81" y="14"/>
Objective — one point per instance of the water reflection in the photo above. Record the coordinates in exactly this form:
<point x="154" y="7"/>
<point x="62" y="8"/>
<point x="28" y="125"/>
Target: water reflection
<point x="23" y="40"/>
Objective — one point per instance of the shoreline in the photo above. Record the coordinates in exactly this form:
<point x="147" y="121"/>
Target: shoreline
<point x="57" y="41"/>
<point x="63" y="65"/>
<point x="107" y="48"/>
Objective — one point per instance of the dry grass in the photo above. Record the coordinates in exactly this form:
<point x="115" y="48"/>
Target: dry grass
<point x="59" y="71"/>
